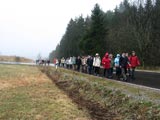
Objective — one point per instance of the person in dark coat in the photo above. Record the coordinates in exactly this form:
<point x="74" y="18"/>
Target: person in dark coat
<point x="78" y="63"/>
<point x="123" y="65"/>
<point x="48" y="62"/>
<point x="90" y="64"/>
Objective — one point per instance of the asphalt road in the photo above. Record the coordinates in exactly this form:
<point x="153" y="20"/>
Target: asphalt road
<point x="145" y="78"/>
<point x="149" y="79"/>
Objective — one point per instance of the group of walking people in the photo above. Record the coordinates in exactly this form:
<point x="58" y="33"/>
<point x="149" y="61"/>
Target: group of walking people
<point x="42" y="62"/>
<point x="124" y="65"/>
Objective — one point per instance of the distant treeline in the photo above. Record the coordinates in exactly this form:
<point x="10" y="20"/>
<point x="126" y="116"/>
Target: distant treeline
<point x="131" y="26"/>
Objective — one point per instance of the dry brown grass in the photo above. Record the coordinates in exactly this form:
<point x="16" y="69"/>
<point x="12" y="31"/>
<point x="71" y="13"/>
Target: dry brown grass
<point x="21" y="77"/>
<point x="26" y="93"/>
<point x="13" y="59"/>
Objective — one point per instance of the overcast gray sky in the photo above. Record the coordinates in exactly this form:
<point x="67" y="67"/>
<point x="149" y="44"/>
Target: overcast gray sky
<point x="30" y="27"/>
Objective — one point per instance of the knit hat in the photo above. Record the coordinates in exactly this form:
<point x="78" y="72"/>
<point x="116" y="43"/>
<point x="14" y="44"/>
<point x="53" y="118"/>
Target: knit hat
<point x="118" y="55"/>
<point x="97" y="54"/>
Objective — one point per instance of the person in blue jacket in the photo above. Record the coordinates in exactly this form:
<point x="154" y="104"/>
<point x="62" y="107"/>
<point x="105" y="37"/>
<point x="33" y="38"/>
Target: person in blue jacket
<point x="117" y="66"/>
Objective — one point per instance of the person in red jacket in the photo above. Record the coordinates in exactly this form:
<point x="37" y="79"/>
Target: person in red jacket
<point x="106" y="64"/>
<point x="134" y="61"/>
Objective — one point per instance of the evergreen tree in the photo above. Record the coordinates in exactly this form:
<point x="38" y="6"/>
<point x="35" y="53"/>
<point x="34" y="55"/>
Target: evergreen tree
<point x="94" y="39"/>
<point x="129" y="27"/>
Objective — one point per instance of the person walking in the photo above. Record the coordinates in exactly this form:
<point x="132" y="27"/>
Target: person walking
<point x="56" y="62"/>
<point x="106" y="64"/>
<point x="63" y="61"/>
<point x="134" y="61"/>
<point x="123" y="65"/>
<point x="84" y="62"/>
<point x="111" y="66"/>
<point x="70" y="63"/>
<point x="128" y="66"/>
<point x="117" y="66"/>
<point x="67" y="63"/>
<point x="90" y="64"/>
<point x="96" y="64"/>
<point x="48" y="62"/>
<point x="78" y="63"/>
<point x="74" y="63"/>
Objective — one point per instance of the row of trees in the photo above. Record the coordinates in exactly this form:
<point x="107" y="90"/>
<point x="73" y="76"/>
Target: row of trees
<point x="131" y="26"/>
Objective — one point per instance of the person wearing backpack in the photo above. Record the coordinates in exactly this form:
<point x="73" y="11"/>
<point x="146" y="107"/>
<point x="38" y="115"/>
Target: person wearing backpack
<point x="134" y="61"/>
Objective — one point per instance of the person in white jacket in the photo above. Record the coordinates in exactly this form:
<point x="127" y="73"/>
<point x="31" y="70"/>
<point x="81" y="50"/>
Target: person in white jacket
<point x="96" y="64"/>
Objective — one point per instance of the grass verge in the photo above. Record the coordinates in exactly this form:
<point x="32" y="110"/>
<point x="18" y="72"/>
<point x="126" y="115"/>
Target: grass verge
<point x="106" y="99"/>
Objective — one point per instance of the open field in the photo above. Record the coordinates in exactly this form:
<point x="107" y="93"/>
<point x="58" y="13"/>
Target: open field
<point x="28" y="94"/>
